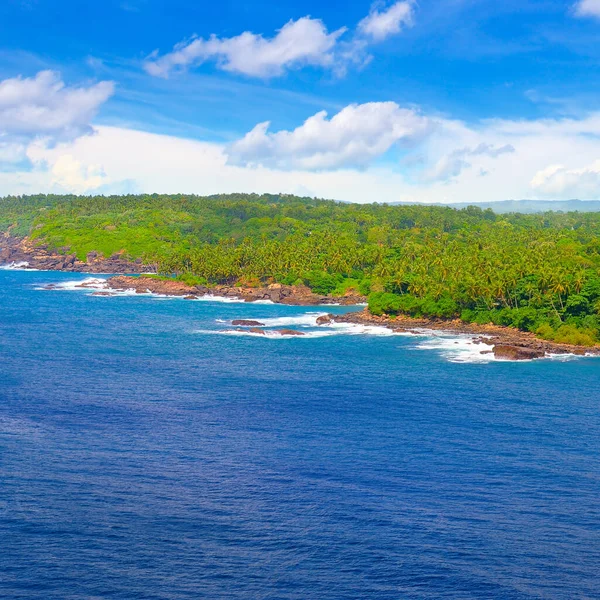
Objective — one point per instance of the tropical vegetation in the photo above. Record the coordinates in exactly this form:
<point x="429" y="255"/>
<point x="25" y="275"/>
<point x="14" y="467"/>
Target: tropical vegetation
<point x="536" y="272"/>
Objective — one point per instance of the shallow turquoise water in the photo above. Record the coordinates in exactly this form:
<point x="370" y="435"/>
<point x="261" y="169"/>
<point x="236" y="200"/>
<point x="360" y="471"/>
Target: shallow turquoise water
<point x="145" y="454"/>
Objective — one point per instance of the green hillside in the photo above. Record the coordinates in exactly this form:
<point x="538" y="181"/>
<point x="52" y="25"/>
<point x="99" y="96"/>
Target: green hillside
<point x="537" y="272"/>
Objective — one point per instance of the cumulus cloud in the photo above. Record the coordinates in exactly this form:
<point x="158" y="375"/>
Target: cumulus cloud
<point x="557" y="181"/>
<point x="43" y="106"/>
<point x="298" y="43"/>
<point x="353" y="137"/>
<point x="513" y="154"/>
<point x="587" y="8"/>
<point x="70" y="174"/>
<point x="452" y="164"/>
<point x="379" y="25"/>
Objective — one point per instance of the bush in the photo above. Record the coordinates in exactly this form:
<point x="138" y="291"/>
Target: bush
<point x="322" y="282"/>
<point x="384" y="303"/>
<point x="191" y="280"/>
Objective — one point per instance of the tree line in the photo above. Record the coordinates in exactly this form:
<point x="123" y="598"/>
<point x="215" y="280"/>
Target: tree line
<point x="537" y="272"/>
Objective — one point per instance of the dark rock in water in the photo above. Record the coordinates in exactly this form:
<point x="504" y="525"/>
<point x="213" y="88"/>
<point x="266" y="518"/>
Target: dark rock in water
<point x="289" y="332"/>
<point x="251" y="330"/>
<point x="102" y="294"/>
<point x="190" y="297"/>
<point x="325" y="319"/>
<point x="247" y="323"/>
<point x="517" y="353"/>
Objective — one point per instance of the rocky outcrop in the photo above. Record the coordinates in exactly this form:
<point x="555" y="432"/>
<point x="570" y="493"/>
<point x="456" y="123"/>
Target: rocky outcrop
<point x="517" y="353"/>
<point x="143" y="285"/>
<point x="325" y="319"/>
<point x="491" y="335"/>
<point x="247" y="323"/>
<point x="282" y="294"/>
<point x="255" y="330"/>
<point x="17" y="250"/>
<point x="289" y="332"/>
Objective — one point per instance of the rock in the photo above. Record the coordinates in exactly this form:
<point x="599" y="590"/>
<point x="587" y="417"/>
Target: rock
<point x="247" y="323"/>
<point x="517" y="353"/>
<point x="190" y="297"/>
<point x="143" y="285"/>
<point x="289" y="332"/>
<point x="325" y="319"/>
<point x="254" y="330"/>
<point x="102" y="294"/>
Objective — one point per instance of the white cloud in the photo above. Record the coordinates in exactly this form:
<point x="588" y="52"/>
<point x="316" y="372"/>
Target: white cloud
<point x="118" y="160"/>
<point x="587" y="8"/>
<point x="70" y="174"/>
<point x="43" y="106"/>
<point x="11" y="152"/>
<point x="379" y="25"/>
<point x="557" y="181"/>
<point x="354" y="137"/>
<point x="452" y="164"/>
<point x="298" y="43"/>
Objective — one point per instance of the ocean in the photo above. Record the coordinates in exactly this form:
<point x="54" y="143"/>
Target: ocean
<point x="147" y="451"/>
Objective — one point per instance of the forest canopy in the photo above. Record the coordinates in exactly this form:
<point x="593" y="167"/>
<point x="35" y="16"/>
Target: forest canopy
<point x="536" y="272"/>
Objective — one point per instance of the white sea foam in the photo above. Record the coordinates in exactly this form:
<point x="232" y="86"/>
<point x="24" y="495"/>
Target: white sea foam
<point x="457" y="348"/>
<point x="211" y="298"/>
<point x="306" y="319"/>
<point x="89" y="283"/>
<point x="268" y="334"/>
<point x="21" y="265"/>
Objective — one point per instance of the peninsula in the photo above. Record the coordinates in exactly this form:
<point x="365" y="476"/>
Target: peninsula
<point x="532" y="281"/>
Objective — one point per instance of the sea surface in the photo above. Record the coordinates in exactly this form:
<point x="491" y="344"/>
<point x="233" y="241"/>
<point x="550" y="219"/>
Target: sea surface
<point x="148" y="452"/>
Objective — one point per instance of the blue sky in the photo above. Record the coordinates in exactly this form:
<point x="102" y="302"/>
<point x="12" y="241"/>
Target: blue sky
<point x="435" y="100"/>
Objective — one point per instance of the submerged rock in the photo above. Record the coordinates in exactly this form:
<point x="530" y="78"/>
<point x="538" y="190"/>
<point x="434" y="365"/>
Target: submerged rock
<point x="247" y="323"/>
<point x="517" y="353"/>
<point x="289" y="332"/>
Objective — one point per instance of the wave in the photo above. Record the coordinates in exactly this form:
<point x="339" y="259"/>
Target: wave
<point x="269" y="335"/>
<point x="21" y="265"/>
<point x="306" y="319"/>
<point x="89" y="283"/>
<point x="458" y="348"/>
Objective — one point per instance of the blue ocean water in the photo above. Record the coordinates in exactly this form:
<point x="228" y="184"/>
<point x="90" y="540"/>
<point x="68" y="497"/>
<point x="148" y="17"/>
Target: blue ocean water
<point x="145" y="455"/>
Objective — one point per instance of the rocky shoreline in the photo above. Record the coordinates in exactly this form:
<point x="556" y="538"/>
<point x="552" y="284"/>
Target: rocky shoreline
<point x="504" y="342"/>
<point x="25" y="251"/>
<point x="297" y="295"/>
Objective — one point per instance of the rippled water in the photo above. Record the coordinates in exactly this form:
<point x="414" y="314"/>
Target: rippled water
<point x="144" y="454"/>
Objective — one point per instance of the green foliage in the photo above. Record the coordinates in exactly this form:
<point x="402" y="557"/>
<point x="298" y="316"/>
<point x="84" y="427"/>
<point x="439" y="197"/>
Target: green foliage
<point x="192" y="280"/>
<point x="539" y="273"/>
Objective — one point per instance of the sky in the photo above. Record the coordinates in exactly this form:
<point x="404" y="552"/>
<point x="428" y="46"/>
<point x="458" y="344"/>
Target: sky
<point x="385" y="101"/>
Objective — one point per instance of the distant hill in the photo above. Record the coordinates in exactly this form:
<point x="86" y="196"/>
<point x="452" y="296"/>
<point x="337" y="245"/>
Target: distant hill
<point x="532" y="206"/>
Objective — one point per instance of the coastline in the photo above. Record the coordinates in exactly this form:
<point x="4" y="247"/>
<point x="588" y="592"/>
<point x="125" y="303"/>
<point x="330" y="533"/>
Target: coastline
<point x="39" y="257"/>
<point x="278" y="293"/>
<point x="504" y="342"/>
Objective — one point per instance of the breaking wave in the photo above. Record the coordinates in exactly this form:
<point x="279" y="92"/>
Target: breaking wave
<point x="458" y="348"/>
<point x="89" y="283"/>
<point x="21" y="265"/>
